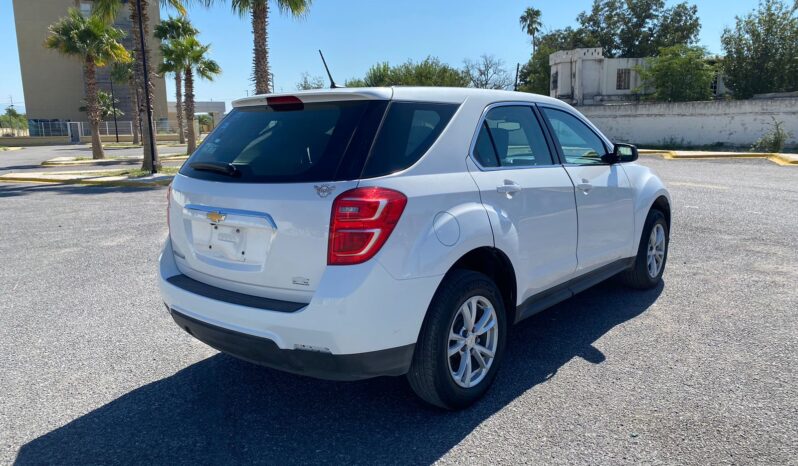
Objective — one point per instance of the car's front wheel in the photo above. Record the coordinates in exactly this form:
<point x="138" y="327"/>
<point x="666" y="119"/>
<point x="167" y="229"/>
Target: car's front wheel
<point x="652" y="253"/>
<point x="461" y="342"/>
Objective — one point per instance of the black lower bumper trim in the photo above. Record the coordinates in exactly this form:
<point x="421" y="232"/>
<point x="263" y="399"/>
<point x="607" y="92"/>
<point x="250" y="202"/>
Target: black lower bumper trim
<point x="393" y="361"/>
<point x="203" y="289"/>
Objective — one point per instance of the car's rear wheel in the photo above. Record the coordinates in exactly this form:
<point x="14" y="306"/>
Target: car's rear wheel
<point x="652" y="253"/>
<point x="461" y="342"/>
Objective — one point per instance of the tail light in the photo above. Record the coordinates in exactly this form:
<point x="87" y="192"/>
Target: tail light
<point x="361" y="222"/>
<point x="169" y="207"/>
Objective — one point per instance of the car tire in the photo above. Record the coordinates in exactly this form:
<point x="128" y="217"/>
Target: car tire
<point x="454" y="380"/>
<point x="654" y="244"/>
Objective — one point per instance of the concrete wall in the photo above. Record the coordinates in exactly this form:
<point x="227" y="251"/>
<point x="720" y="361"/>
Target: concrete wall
<point x="733" y="123"/>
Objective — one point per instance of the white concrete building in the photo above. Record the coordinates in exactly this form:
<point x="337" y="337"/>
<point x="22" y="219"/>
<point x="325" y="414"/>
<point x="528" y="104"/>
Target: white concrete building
<point x="586" y="77"/>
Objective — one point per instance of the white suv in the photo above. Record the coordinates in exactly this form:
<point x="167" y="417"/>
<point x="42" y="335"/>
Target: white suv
<point x="354" y="233"/>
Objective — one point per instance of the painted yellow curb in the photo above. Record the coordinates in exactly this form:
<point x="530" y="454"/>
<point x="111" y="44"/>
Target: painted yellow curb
<point x="780" y="159"/>
<point x="98" y="182"/>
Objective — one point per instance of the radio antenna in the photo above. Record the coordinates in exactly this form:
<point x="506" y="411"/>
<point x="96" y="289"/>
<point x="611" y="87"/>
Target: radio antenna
<point x="517" y="68"/>
<point x="332" y="82"/>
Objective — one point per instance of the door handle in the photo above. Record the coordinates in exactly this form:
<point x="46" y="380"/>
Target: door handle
<point x="509" y="188"/>
<point x="584" y="186"/>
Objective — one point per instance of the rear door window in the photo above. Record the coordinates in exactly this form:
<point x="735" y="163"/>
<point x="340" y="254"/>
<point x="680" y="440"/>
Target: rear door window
<point x="510" y="136"/>
<point x="409" y="130"/>
<point x="317" y="142"/>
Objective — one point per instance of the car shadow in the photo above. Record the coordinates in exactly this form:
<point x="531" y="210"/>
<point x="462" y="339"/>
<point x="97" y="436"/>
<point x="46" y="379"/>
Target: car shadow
<point x="222" y="410"/>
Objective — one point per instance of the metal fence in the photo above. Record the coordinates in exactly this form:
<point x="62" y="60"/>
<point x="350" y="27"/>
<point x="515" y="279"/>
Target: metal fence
<point x="125" y="128"/>
<point x="38" y="128"/>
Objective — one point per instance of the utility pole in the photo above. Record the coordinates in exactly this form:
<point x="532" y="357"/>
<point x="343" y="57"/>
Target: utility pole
<point x="146" y="88"/>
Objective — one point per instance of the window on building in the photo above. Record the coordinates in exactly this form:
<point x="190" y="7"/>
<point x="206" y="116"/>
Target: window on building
<point x="623" y="79"/>
<point x="555" y="77"/>
<point x="85" y="8"/>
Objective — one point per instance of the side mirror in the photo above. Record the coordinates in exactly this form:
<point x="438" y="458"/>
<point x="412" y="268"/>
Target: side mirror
<point x="624" y="153"/>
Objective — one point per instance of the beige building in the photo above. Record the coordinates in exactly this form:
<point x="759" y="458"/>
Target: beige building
<point x="52" y="83"/>
<point x="586" y="77"/>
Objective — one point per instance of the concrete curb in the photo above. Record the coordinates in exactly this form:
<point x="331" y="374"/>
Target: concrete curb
<point x="85" y="178"/>
<point x="110" y="161"/>
<point x="779" y="159"/>
<point x="9" y="149"/>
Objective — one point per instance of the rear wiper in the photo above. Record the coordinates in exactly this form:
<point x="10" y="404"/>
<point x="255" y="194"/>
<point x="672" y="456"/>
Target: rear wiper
<point x="224" y="168"/>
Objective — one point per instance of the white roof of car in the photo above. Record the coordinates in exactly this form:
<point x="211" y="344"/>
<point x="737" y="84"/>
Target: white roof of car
<point x="425" y="94"/>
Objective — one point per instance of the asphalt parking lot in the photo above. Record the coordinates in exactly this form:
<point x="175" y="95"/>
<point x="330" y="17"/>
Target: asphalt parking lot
<point x="703" y="369"/>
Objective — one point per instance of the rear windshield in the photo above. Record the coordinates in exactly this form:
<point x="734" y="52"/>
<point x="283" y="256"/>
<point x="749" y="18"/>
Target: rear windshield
<point x="327" y="141"/>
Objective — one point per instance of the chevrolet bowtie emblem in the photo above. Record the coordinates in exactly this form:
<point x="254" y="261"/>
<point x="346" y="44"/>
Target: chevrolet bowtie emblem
<point x="216" y="217"/>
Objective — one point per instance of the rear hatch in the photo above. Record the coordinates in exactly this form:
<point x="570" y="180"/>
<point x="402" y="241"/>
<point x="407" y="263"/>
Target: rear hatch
<point x="250" y="210"/>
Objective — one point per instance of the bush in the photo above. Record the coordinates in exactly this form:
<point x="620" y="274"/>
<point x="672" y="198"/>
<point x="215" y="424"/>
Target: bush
<point x="774" y="140"/>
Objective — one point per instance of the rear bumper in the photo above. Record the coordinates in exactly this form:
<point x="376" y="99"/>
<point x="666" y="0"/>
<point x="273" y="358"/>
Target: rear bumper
<point x="393" y="361"/>
<point x="360" y="322"/>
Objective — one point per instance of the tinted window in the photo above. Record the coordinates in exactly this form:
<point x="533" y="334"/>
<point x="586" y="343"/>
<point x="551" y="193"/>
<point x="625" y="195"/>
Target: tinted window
<point x="511" y="137"/>
<point x="483" y="150"/>
<point x="409" y="129"/>
<point x="319" y="142"/>
<point x="579" y="143"/>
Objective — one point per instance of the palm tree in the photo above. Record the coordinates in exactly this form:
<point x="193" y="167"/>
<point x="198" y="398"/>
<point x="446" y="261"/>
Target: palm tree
<point x="259" y="10"/>
<point x="531" y="24"/>
<point x="124" y="73"/>
<point x="96" y="44"/>
<point x="107" y="105"/>
<point x="108" y="11"/>
<point x="171" y="30"/>
<point x="196" y="63"/>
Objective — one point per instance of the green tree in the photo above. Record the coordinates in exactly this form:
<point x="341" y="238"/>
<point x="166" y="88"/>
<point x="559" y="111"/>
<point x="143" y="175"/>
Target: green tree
<point x="488" y="72"/>
<point x="124" y="73"/>
<point x="535" y="75"/>
<point x="678" y="74"/>
<point x="107" y="105"/>
<point x="531" y="24"/>
<point x="197" y="63"/>
<point x="95" y="44"/>
<point x="13" y="119"/>
<point x="428" y="72"/>
<point x="175" y="29"/>
<point x="762" y="50"/>
<point x="639" y="28"/>
<point x="310" y="82"/>
<point x="108" y="10"/>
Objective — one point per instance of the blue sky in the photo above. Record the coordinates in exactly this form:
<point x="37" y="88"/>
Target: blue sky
<point x="354" y="34"/>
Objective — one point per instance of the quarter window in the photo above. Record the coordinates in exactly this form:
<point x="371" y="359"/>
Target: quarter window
<point x="510" y="136"/>
<point x="579" y="144"/>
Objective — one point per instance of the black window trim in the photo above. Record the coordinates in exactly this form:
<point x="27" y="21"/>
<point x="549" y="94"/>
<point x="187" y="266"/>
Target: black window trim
<point x="554" y="153"/>
<point x="558" y="147"/>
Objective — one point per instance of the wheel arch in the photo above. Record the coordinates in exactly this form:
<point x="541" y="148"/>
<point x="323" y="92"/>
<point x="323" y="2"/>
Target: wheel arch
<point x="662" y="204"/>
<point x="494" y="263"/>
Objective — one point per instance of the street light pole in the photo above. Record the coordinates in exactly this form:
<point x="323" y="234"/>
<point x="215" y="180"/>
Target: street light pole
<point x="113" y="106"/>
<point x="146" y="88"/>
